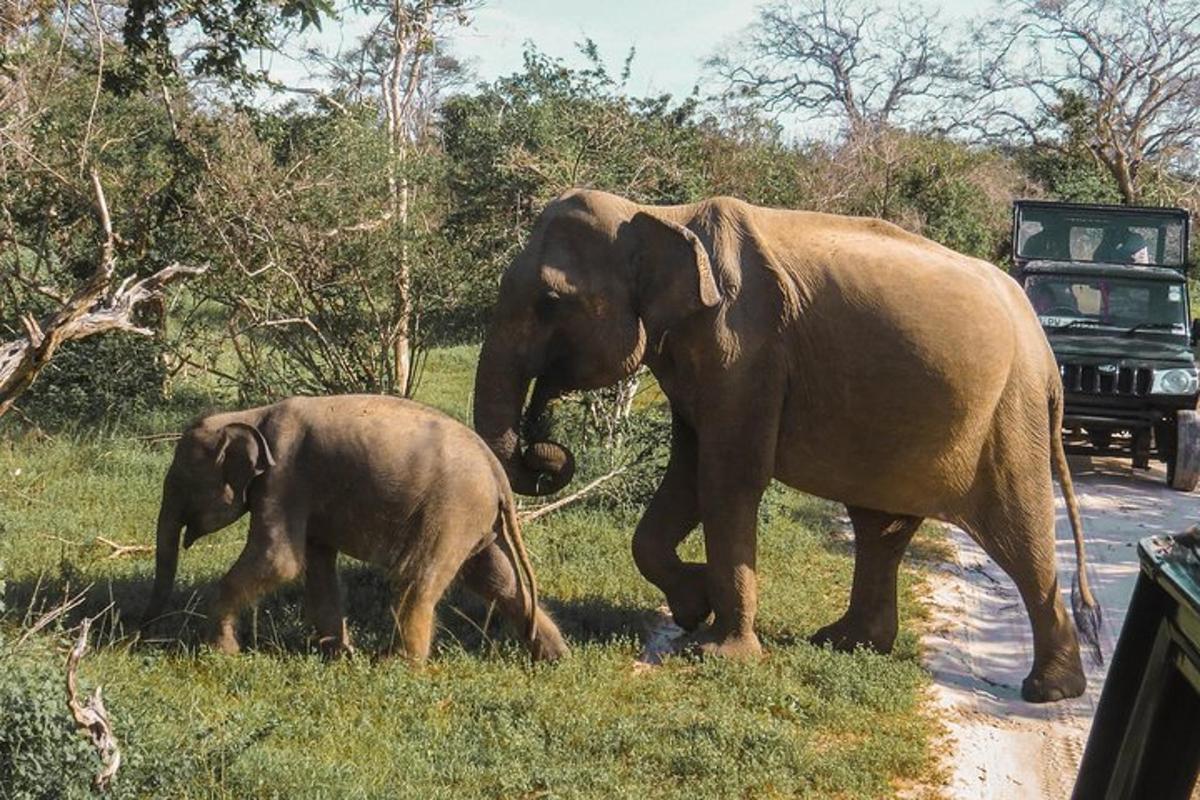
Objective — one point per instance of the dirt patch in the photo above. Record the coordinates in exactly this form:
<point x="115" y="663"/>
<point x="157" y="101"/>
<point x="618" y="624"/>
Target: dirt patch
<point x="979" y="645"/>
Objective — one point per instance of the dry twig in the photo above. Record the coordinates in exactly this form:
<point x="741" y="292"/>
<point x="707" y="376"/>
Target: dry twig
<point x="68" y="604"/>
<point x="91" y="716"/>
<point x="540" y="511"/>
<point x="119" y="549"/>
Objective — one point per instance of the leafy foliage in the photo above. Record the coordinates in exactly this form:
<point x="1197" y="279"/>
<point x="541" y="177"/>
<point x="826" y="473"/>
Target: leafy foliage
<point x="526" y="138"/>
<point x="41" y="755"/>
<point x="102" y="378"/>
<point x="228" y="30"/>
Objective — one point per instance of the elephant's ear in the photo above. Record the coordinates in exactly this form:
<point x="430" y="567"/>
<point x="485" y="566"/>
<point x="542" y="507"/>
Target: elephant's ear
<point x="674" y="274"/>
<point x="243" y="455"/>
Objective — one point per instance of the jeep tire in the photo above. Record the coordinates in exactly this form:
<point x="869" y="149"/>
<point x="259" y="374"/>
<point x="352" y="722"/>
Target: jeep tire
<point x="1183" y="463"/>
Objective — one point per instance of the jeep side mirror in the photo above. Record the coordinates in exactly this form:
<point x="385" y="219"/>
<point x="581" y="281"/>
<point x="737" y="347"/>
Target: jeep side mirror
<point x="1195" y="332"/>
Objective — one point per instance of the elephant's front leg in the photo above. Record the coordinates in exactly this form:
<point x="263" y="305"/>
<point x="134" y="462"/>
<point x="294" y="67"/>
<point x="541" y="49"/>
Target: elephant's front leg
<point x="736" y="463"/>
<point x="323" y="600"/>
<point x="730" y="540"/>
<point x="272" y="556"/>
<point x="672" y="514"/>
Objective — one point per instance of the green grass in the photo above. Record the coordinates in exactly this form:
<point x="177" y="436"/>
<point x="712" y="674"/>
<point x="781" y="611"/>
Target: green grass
<point x="479" y="720"/>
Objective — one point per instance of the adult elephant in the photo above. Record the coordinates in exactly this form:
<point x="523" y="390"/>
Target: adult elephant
<point x="844" y="357"/>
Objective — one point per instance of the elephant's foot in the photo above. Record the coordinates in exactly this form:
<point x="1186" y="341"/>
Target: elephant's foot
<point x="846" y="635"/>
<point x="333" y="647"/>
<point x="687" y="598"/>
<point x="742" y="647"/>
<point x="224" y="640"/>
<point x="1058" y="682"/>
<point x="549" y="647"/>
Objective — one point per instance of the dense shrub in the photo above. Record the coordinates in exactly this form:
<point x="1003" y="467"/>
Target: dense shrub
<point x="41" y="755"/>
<point x="95" y="379"/>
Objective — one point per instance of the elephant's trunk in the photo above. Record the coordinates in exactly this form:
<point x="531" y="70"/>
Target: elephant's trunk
<point x="500" y="388"/>
<point x="166" y="553"/>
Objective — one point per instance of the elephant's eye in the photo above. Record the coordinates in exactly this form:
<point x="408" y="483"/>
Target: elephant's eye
<point x="547" y="305"/>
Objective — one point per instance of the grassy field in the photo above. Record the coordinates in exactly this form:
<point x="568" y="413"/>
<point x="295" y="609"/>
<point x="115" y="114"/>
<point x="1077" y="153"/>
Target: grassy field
<point x="479" y="720"/>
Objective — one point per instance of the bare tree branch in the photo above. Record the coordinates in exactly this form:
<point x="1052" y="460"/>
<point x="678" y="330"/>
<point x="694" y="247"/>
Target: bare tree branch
<point x="817" y="57"/>
<point x="1116" y="77"/>
<point x="90" y="715"/>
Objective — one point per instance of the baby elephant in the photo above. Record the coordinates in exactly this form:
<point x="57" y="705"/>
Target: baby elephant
<point x="385" y="480"/>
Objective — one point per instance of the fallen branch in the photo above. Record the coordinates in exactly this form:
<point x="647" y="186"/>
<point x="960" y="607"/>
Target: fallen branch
<point x="155" y="438"/>
<point x="119" y="549"/>
<point x="68" y="605"/>
<point x="91" y="716"/>
<point x="540" y="511"/>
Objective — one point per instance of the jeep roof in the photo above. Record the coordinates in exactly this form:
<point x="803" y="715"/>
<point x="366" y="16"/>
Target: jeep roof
<point x="1090" y="233"/>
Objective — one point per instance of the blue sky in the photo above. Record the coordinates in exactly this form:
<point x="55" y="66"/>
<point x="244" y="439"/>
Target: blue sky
<point x="672" y="37"/>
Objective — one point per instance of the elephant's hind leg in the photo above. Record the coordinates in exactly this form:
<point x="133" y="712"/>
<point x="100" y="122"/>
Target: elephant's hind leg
<point x="872" y="620"/>
<point x="490" y="574"/>
<point x="1017" y="532"/>
<point x="323" y="600"/>
<point x="432" y="560"/>
<point x="414" y="612"/>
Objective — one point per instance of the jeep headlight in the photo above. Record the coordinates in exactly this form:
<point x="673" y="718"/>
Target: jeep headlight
<point x="1175" y="381"/>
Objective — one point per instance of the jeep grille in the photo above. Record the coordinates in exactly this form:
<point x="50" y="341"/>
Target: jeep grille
<point x="1094" y="379"/>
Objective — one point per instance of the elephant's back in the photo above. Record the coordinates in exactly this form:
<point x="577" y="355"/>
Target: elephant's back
<point x="394" y="454"/>
<point x="917" y="346"/>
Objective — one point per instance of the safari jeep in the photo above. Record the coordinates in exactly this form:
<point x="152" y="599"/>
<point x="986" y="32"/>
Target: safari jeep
<point x="1109" y="285"/>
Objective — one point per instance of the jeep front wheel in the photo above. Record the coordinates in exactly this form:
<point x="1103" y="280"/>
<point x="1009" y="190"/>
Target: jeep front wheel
<point x="1183" y="466"/>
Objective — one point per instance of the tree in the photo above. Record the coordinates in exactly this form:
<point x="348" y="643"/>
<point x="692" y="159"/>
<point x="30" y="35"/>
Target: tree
<point x="60" y="133"/>
<point x="296" y="210"/>
<point x="1116" y="78"/>
<point x="845" y="58"/>
<point x="227" y="30"/>
<point x="401" y="51"/>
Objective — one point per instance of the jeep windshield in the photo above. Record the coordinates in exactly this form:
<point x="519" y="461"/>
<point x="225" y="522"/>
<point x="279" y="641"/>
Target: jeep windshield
<point x="1078" y="303"/>
<point x="1100" y="235"/>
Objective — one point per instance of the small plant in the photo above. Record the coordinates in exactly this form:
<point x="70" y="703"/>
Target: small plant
<point x="41" y="755"/>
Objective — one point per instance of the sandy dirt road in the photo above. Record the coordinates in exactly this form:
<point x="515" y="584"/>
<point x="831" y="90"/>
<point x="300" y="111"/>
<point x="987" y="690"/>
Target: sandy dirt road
<point x="979" y="647"/>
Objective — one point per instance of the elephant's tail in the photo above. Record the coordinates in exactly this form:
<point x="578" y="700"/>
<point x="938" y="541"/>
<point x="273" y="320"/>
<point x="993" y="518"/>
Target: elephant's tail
<point x="510" y="531"/>
<point x="1084" y="607"/>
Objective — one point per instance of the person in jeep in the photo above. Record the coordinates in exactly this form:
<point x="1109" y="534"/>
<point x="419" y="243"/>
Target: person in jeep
<point x="1122" y="245"/>
<point x="1109" y="286"/>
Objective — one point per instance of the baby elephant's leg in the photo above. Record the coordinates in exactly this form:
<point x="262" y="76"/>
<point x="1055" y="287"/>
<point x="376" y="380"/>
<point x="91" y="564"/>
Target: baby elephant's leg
<point x="418" y="591"/>
<point x="323" y="600"/>
<point x="490" y="574"/>
<point x="263" y="566"/>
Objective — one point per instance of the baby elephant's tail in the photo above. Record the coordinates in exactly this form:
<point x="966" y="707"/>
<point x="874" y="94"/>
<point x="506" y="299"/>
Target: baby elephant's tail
<point x="510" y="531"/>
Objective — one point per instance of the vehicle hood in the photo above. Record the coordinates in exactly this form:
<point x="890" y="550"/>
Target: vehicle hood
<point x="1119" y="348"/>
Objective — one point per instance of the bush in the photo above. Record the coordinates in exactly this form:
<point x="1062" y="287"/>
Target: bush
<point x="41" y="754"/>
<point x="96" y="379"/>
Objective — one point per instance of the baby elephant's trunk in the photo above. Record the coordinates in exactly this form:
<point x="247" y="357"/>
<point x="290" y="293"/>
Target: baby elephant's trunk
<point x="510" y="530"/>
<point x="166" y="554"/>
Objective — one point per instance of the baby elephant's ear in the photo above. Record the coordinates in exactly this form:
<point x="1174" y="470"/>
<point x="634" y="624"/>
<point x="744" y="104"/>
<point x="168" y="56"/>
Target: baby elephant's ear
<point x="244" y="455"/>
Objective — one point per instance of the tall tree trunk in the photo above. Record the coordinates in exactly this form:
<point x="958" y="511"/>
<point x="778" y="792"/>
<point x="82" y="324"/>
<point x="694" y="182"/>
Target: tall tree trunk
<point x="412" y="28"/>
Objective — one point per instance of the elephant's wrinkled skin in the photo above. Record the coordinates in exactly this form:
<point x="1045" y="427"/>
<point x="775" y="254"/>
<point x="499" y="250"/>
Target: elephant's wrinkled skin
<point x="384" y="480"/>
<point x="844" y="357"/>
